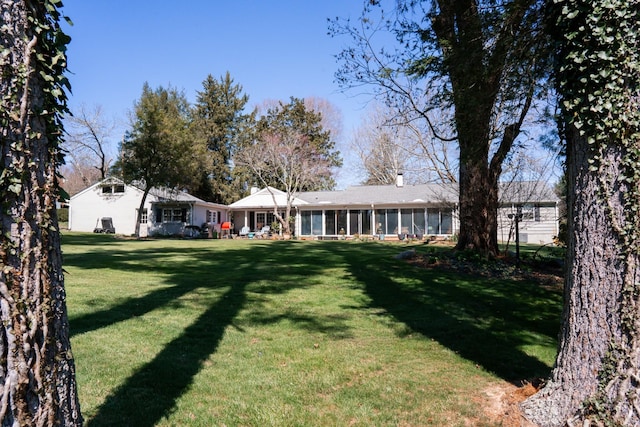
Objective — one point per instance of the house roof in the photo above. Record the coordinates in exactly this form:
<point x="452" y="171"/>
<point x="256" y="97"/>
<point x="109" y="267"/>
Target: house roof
<point x="264" y="199"/>
<point x="159" y="195"/>
<point x="368" y="195"/>
<point x="527" y="192"/>
<point x="377" y="195"/>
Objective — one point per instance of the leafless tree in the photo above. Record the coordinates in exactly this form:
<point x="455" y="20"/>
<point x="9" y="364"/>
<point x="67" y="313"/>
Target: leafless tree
<point x="288" y="157"/>
<point x="88" y="141"/>
<point x="392" y="140"/>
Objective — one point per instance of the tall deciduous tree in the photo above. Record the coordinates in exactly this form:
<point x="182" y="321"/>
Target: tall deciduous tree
<point x="389" y="141"/>
<point x="381" y="154"/>
<point x="294" y="118"/>
<point x="288" y="161"/>
<point x="597" y="373"/>
<point x="157" y="151"/>
<point x="481" y="61"/>
<point x="88" y="141"/>
<point x="220" y="123"/>
<point x="37" y="372"/>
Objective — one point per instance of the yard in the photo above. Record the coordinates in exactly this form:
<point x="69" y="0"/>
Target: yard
<point x="291" y="333"/>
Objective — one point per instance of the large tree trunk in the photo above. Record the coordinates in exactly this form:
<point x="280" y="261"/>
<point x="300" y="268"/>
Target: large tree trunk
<point x="597" y="366"/>
<point x="478" y="209"/>
<point x="37" y="372"/>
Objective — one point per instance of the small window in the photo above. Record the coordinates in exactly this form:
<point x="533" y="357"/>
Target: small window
<point x="144" y="217"/>
<point x="107" y="189"/>
<point x="174" y="215"/>
<point x="528" y="212"/>
<point x="119" y="188"/>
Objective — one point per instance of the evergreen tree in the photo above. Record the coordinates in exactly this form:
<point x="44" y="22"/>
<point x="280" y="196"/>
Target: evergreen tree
<point x="157" y="151"/>
<point x="220" y="124"/>
<point x="295" y="118"/>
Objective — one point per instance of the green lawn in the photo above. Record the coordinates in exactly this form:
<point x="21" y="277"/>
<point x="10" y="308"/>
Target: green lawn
<point x="291" y="333"/>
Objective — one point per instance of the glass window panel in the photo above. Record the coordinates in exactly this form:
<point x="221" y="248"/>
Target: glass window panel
<point x="316" y="223"/>
<point x="342" y="222"/>
<point x="306" y="223"/>
<point x="446" y="225"/>
<point x="433" y="221"/>
<point x="366" y="222"/>
<point x="381" y="221"/>
<point x="330" y="222"/>
<point x="528" y="212"/>
<point x="392" y="221"/>
<point x="418" y="221"/>
<point x="406" y="221"/>
<point x="354" y="222"/>
<point x="261" y="219"/>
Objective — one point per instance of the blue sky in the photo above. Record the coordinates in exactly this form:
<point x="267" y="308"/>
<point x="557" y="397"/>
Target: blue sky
<point x="274" y="49"/>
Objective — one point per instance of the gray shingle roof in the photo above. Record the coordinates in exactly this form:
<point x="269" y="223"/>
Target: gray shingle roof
<point x="367" y="195"/>
<point x="436" y="194"/>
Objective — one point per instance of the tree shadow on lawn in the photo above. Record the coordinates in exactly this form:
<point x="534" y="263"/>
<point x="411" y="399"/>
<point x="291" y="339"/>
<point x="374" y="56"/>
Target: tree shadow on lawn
<point x="487" y="321"/>
<point x="151" y="393"/>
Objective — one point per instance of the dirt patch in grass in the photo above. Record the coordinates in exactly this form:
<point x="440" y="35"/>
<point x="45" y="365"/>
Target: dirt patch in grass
<point x="501" y="403"/>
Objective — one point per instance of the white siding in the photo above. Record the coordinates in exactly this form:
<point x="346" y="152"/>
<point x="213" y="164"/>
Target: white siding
<point x="86" y="207"/>
<point x="541" y="229"/>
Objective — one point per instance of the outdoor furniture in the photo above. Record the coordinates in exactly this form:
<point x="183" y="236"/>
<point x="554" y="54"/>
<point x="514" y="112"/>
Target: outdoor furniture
<point x="104" y="225"/>
<point x="263" y="231"/>
<point x="244" y="231"/>
<point x="192" y="232"/>
<point x="225" y="229"/>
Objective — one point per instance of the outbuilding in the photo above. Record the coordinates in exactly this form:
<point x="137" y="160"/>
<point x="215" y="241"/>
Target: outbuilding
<point x="166" y="212"/>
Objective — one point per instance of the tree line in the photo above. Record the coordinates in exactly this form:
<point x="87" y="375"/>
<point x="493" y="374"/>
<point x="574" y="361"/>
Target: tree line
<point x="214" y="149"/>
<point x="207" y="148"/>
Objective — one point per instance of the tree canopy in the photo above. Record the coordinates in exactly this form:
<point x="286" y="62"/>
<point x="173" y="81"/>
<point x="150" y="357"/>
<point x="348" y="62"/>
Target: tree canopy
<point x="221" y="124"/>
<point x="294" y="118"/>
<point x="157" y="151"/>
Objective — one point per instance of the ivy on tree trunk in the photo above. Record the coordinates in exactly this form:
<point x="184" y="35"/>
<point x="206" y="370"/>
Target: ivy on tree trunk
<point x="37" y="371"/>
<point x="597" y="372"/>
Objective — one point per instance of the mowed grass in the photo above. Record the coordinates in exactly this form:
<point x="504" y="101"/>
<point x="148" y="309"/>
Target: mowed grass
<point x="291" y="333"/>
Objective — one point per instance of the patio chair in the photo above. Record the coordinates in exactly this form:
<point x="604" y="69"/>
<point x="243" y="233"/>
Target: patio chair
<point x="244" y="231"/>
<point x="263" y="232"/>
<point x="104" y="225"/>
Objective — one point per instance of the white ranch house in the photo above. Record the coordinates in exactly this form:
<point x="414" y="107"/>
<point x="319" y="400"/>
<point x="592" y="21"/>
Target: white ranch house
<point x="395" y="211"/>
<point x="381" y="211"/>
<point x="165" y="212"/>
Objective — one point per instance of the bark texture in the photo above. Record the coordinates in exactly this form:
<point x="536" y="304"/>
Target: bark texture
<point x="477" y="75"/>
<point x="596" y="369"/>
<point x="37" y="372"/>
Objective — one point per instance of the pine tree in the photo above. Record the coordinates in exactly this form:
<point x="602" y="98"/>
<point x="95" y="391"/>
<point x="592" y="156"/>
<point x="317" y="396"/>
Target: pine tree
<point x="220" y="123"/>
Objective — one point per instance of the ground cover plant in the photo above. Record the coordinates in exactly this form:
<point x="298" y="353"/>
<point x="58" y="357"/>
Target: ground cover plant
<point x="292" y="333"/>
